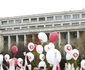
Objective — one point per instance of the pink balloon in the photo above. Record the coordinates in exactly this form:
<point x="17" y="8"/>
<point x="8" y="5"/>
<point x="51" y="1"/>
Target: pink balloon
<point x="53" y="37"/>
<point x="14" y="49"/>
<point x="15" y="61"/>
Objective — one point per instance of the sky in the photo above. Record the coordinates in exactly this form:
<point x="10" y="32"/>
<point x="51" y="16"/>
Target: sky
<point x="9" y="8"/>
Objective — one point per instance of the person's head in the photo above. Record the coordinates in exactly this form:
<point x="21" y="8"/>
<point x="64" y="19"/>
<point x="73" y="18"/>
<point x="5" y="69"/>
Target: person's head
<point x="42" y="68"/>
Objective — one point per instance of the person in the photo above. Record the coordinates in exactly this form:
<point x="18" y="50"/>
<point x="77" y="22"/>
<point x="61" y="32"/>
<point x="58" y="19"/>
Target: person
<point x="41" y="68"/>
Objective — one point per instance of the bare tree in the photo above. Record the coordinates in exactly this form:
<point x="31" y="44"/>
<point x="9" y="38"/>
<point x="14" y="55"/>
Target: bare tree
<point x="80" y="44"/>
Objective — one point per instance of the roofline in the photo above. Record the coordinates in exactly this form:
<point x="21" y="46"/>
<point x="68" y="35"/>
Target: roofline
<point x="44" y="14"/>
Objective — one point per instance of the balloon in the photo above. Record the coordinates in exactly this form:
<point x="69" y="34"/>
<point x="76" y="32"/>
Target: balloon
<point x="31" y="46"/>
<point x="35" y="45"/>
<point x="42" y="37"/>
<point x="14" y="49"/>
<point x="53" y="54"/>
<point x="12" y="64"/>
<point x="1" y="58"/>
<point x="6" y="57"/>
<point x="30" y="56"/>
<point x="68" y="48"/>
<point x="46" y="48"/>
<point x="15" y="61"/>
<point x="51" y="46"/>
<point x="68" y="56"/>
<point x="53" y="37"/>
<point x="20" y="62"/>
<point x="39" y="49"/>
<point x="75" y="54"/>
<point x="42" y="64"/>
<point x="42" y="57"/>
<point x="83" y="64"/>
<point x="29" y="67"/>
<point x="8" y="62"/>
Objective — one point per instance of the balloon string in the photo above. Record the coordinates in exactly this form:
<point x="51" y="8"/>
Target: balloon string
<point x="14" y="55"/>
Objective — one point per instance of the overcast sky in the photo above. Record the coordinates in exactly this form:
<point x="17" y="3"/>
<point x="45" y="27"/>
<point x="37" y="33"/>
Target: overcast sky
<point x="27" y="7"/>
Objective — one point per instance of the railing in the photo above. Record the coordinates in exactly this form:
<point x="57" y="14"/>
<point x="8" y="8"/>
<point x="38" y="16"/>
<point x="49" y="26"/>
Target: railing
<point x="52" y="28"/>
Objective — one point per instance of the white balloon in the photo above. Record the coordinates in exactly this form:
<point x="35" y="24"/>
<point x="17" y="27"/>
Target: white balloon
<point x="41" y="64"/>
<point x="42" y="36"/>
<point x="30" y="56"/>
<point x="1" y="58"/>
<point x="53" y="54"/>
<point x="68" y="56"/>
<point x="39" y="49"/>
<point x="7" y="57"/>
<point x="68" y="48"/>
<point x="31" y="46"/>
<point x="83" y="64"/>
<point x="42" y="56"/>
<point x="46" y="48"/>
<point x="75" y="54"/>
<point x="51" y="46"/>
<point x="20" y="62"/>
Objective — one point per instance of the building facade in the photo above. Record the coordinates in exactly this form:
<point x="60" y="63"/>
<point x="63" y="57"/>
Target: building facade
<point x="14" y="30"/>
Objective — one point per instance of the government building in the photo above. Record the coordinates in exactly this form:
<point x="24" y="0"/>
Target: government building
<point x="14" y="30"/>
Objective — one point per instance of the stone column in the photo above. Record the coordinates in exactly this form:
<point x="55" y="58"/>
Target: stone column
<point x="0" y="22"/>
<point x="68" y="37"/>
<point x="59" y="40"/>
<point x="17" y="40"/>
<point x="78" y="34"/>
<point x="1" y="43"/>
<point x="9" y="42"/>
<point x="33" y="37"/>
<point x="29" y="19"/>
<point x="24" y="39"/>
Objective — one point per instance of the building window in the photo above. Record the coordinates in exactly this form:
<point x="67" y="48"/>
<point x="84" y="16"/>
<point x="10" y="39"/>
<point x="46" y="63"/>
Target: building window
<point x="48" y="25"/>
<point x="4" y="22"/>
<point x="75" y="35"/>
<point x="33" y="19"/>
<point x="67" y="16"/>
<point x="24" y="27"/>
<point x="42" y="19"/>
<point x="66" y="24"/>
<point x="11" y="21"/>
<point x="65" y="36"/>
<point x="9" y="28"/>
<point x="25" y="20"/>
<point x="83" y="15"/>
<point x="82" y="23"/>
<point x="18" y="21"/>
<point x="58" y="17"/>
<point x="40" y="26"/>
<point x="75" y="23"/>
<point x="57" y="24"/>
<point x="75" y="16"/>
<point x="32" y="26"/>
<point x="49" y="18"/>
<point x="16" y="27"/>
